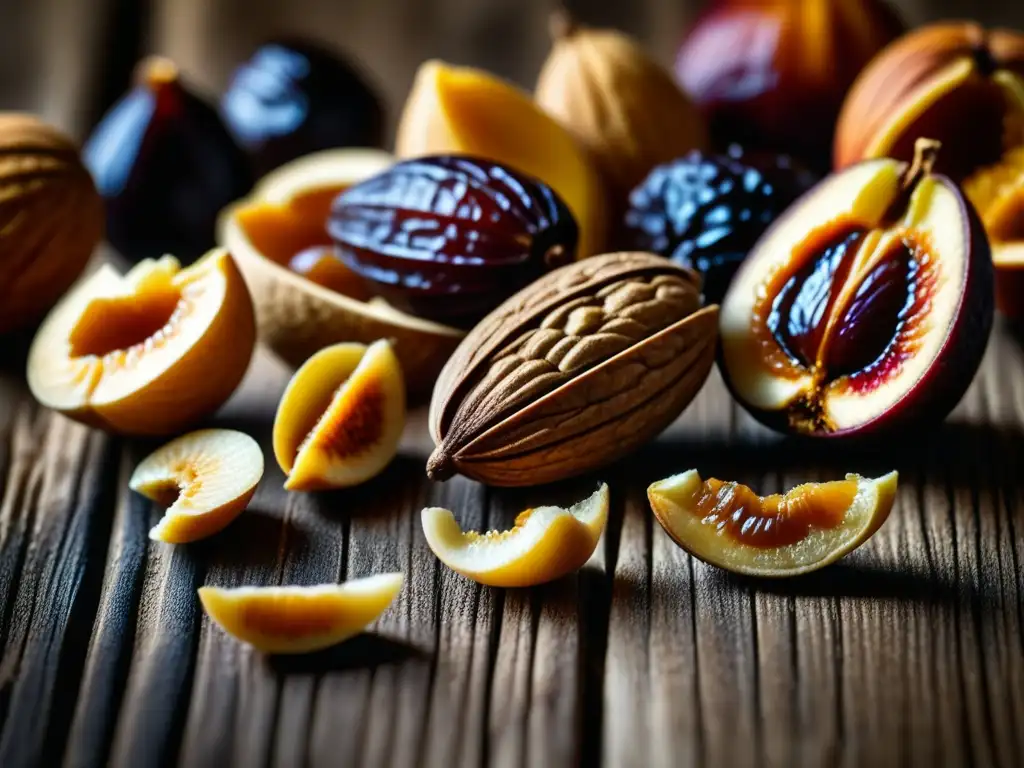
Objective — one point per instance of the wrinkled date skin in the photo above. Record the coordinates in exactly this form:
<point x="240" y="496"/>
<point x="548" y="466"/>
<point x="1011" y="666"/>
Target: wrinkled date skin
<point x="165" y="166"/>
<point x="293" y="98"/>
<point x="449" y="238"/>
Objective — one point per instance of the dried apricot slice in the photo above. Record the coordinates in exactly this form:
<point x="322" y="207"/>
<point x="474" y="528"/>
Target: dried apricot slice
<point x="205" y="479"/>
<point x="545" y="544"/>
<point x="728" y="525"/>
<point x="300" y="619"/>
<point x="341" y="417"/>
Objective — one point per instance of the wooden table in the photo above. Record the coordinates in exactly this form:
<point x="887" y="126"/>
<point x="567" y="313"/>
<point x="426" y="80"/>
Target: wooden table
<point x="911" y="651"/>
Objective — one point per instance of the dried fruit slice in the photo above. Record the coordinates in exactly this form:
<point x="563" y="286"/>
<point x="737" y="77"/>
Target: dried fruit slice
<point x="459" y="110"/>
<point x="147" y="353"/>
<point x="305" y="298"/>
<point x="341" y="417"/>
<point x="300" y="619"/>
<point x="728" y="525"/>
<point x="546" y="543"/>
<point x="867" y="304"/>
<point x="205" y="479"/>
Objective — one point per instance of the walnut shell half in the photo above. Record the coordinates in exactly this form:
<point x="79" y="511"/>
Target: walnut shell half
<point x="573" y="372"/>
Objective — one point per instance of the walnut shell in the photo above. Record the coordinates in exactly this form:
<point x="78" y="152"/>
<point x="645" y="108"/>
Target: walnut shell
<point x="573" y="372"/>
<point x="51" y="218"/>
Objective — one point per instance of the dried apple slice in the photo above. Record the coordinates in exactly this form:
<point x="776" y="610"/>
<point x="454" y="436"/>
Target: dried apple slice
<point x="300" y="619"/>
<point x="205" y="479"/>
<point x="149" y="352"/>
<point x="730" y="526"/>
<point x="545" y="544"/>
<point x="867" y="305"/>
<point x="341" y="417"/>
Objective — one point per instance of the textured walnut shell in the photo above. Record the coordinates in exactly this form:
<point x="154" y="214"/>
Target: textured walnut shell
<point x="573" y="372"/>
<point x="51" y="218"/>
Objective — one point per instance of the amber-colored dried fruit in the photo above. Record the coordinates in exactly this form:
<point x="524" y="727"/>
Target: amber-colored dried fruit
<point x="51" y="218"/>
<point x="773" y="73"/>
<point x="295" y="97"/>
<point x="545" y="544"/>
<point x="165" y="166"/>
<point x="285" y="217"/>
<point x="575" y="371"/>
<point x="807" y="528"/>
<point x="340" y="418"/>
<point x="964" y="86"/>
<point x="300" y="619"/>
<point x="866" y="306"/>
<point x="458" y="110"/>
<point x="149" y="352"/>
<point x="622" y="105"/>
<point x="205" y="479"/>
<point x="448" y="237"/>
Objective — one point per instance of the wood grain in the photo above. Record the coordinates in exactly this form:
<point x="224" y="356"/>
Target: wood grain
<point x="909" y="652"/>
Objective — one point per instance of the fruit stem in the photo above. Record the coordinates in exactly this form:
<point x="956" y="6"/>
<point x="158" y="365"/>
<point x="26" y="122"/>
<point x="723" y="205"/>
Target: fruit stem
<point x="156" y="72"/>
<point x="926" y="153"/>
<point x="561" y="24"/>
<point x="439" y="465"/>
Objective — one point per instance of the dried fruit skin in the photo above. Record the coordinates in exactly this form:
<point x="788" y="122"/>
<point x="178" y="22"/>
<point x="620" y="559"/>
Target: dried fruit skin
<point x="573" y="372"/>
<point x="293" y="98"/>
<point x="807" y="528"/>
<point x="51" y="218"/>
<point x="448" y="238"/>
<point x="459" y="110"/>
<point x="296" y="317"/>
<point x="706" y="212"/>
<point x="773" y="73"/>
<point x="300" y="619"/>
<point x="620" y="103"/>
<point x="866" y="306"/>
<point x="165" y="166"/>
<point x="545" y="544"/>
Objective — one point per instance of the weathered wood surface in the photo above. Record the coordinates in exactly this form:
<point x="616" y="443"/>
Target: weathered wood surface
<point x="910" y="652"/>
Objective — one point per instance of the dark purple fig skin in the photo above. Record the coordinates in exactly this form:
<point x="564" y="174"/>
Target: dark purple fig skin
<point x="165" y="166"/>
<point x="294" y="97"/>
<point x="947" y="379"/>
<point x="448" y="238"/>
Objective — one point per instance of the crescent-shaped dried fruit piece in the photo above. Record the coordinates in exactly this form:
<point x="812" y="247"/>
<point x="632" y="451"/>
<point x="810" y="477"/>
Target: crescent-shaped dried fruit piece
<point x="341" y="417"/>
<point x="300" y="619"/>
<point x="545" y="544"/>
<point x="807" y="528"/>
<point x="205" y="479"/>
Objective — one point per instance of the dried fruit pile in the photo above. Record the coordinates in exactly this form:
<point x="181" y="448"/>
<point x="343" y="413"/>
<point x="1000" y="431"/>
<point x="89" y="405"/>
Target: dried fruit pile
<point x="546" y="267"/>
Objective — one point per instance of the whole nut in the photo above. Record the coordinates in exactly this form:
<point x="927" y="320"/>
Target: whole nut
<point x="573" y="372"/>
<point x="51" y="218"/>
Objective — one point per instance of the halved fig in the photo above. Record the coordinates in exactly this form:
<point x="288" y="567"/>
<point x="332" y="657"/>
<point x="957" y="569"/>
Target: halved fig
<point x="807" y="528"/>
<point x="205" y="479"/>
<point x="300" y="619"/>
<point x="305" y="298"/>
<point x="341" y="416"/>
<point x="866" y="305"/>
<point x="545" y="544"/>
<point x="147" y="353"/>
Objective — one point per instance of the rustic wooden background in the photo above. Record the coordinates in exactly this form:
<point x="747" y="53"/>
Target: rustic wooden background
<point x="910" y="652"/>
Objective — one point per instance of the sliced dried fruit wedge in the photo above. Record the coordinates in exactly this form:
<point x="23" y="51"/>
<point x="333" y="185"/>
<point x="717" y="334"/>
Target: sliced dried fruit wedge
<point x="149" y="352"/>
<point x="205" y="479"/>
<point x="341" y="417"/>
<point x="300" y="619"/>
<point x="545" y="544"/>
<point x="728" y="525"/>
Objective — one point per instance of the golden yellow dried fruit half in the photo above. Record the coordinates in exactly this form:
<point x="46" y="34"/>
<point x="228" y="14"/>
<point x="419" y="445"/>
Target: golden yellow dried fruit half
<point x="341" y="416"/>
<point x="205" y="479"/>
<point x="546" y="543"/>
<point x="807" y="528"/>
<point x="147" y="353"/>
<point x="468" y="111"/>
<point x="300" y="619"/>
